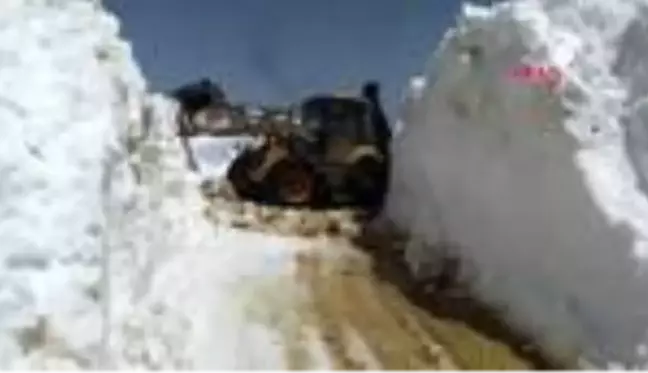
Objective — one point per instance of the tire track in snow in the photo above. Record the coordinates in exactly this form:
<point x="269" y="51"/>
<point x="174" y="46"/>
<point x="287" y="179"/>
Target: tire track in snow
<point x="349" y="306"/>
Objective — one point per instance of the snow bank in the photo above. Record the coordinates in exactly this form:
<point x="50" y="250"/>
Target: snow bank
<point x="66" y="85"/>
<point x="94" y="193"/>
<point x="542" y="195"/>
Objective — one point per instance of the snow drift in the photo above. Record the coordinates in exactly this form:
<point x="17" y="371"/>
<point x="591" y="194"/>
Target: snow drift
<point x="542" y="195"/>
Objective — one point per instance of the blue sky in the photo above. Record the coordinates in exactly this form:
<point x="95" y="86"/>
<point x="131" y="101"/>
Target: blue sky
<point x="275" y="51"/>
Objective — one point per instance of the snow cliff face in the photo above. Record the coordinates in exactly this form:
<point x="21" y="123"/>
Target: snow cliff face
<point x="543" y="195"/>
<point x="94" y="190"/>
<point x="65" y="99"/>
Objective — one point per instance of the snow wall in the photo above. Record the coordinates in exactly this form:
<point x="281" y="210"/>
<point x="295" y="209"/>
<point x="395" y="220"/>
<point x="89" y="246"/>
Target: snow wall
<point x="542" y="195"/>
<point x="94" y="195"/>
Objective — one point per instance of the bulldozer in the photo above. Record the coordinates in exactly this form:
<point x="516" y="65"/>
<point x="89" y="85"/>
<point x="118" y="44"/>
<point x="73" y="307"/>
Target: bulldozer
<point x="326" y="150"/>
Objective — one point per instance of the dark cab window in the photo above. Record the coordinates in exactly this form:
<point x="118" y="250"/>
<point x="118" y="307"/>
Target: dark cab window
<point x="341" y="116"/>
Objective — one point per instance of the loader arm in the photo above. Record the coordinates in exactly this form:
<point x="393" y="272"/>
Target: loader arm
<point x="225" y="121"/>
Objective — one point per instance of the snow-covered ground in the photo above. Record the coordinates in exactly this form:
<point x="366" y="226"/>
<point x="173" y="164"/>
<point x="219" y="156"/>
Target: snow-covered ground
<point x="542" y="195"/>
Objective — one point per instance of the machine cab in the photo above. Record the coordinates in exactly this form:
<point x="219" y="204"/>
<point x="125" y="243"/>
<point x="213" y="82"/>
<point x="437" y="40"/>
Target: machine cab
<point x="337" y="117"/>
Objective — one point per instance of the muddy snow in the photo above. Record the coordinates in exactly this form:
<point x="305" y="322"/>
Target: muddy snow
<point x="334" y="304"/>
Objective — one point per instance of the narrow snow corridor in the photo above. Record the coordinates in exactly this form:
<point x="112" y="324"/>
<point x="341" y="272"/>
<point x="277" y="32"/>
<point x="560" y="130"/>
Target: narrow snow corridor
<point x="115" y="255"/>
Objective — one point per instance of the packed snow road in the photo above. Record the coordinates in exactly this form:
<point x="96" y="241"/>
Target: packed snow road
<point x="326" y="302"/>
